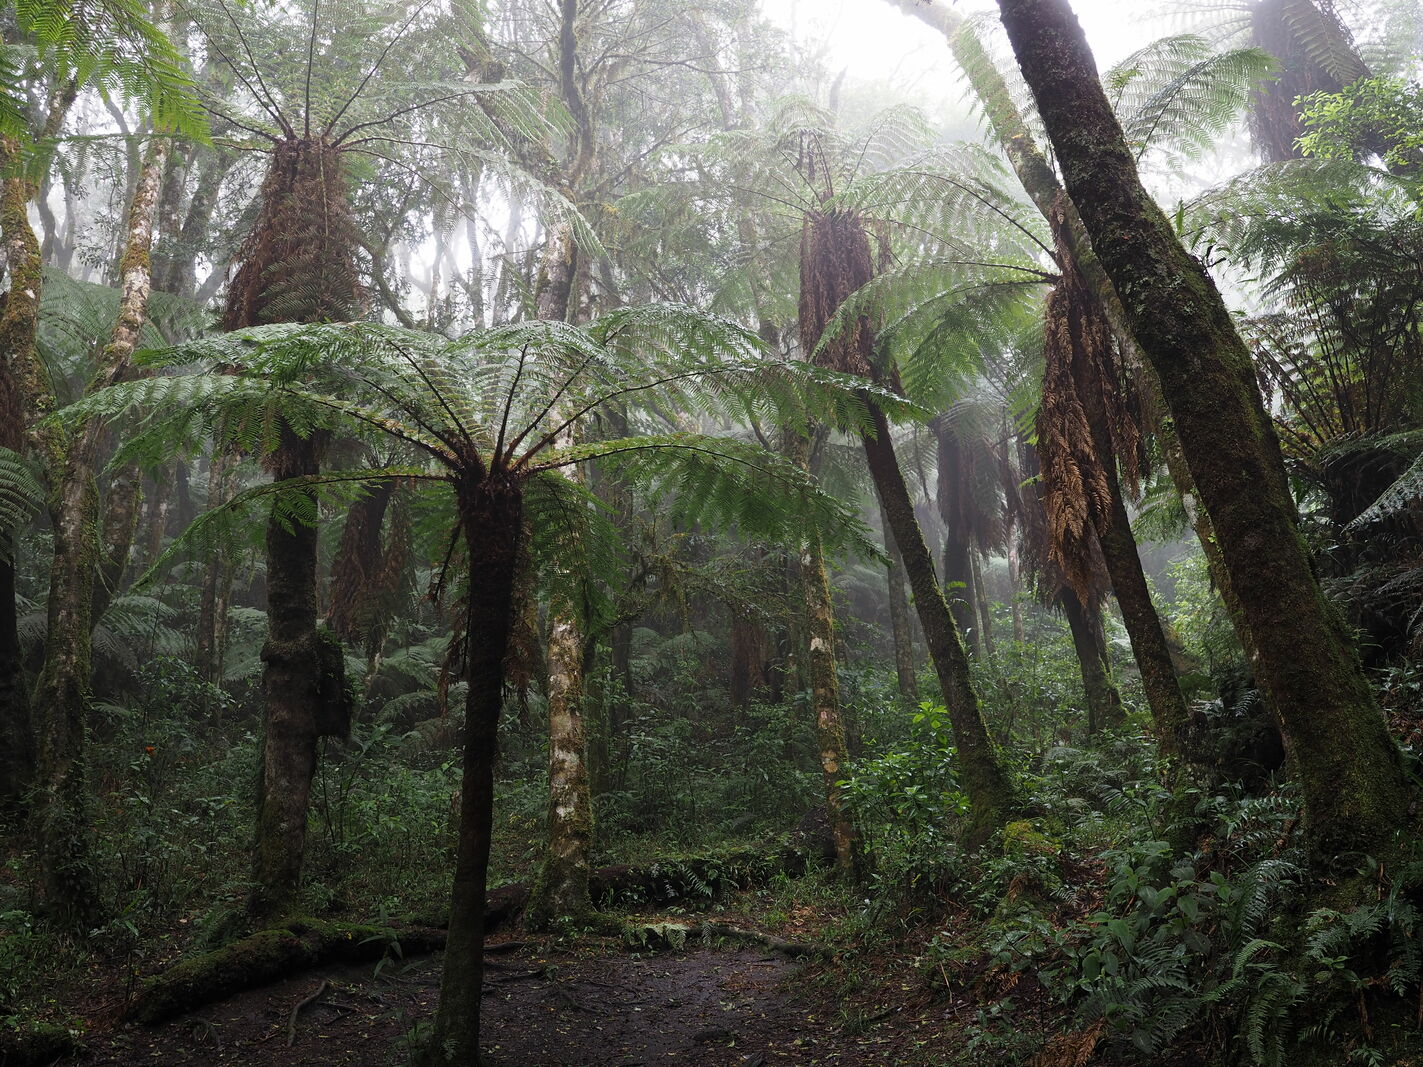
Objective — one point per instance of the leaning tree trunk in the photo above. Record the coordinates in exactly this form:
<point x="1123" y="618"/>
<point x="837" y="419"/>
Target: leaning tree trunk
<point x="63" y="691"/>
<point x="1038" y="180"/>
<point x="1352" y="783"/>
<point x="835" y="261"/>
<point x="959" y="587"/>
<point x="490" y="516"/>
<point x="992" y="796"/>
<point x="1089" y="640"/>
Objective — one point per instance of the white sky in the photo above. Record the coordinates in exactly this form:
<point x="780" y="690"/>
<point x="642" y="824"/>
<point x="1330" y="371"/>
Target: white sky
<point x="876" y="42"/>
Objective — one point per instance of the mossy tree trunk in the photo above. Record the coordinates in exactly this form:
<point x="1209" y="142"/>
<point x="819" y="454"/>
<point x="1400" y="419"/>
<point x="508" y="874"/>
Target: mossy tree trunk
<point x="1353" y="787"/>
<point x="1089" y="640"/>
<point x="959" y="587"/>
<point x="72" y="458"/>
<point x="490" y="517"/>
<point x="25" y="399"/>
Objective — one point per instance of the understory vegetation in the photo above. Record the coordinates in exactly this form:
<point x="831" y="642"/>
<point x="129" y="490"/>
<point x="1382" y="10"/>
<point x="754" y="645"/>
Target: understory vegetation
<point x="555" y="484"/>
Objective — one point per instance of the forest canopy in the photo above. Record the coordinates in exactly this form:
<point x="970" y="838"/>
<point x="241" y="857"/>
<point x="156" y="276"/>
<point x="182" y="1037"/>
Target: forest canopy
<point x="593" y="531"/>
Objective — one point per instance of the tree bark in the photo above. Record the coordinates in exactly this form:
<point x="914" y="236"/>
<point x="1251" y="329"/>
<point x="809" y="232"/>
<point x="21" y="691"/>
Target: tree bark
<point x="561" y="890"/>
<point x="993" y="797"/>
<point x="303" y="683"/>
<point x="1089" y="640"/>
<point x="491" y="518"/>
<point x="1354" y="791"/>
<point x="985" y="616"/>
<point x="25" y="399"/>
<point x="65" y="682"/>
<point x="825" y="701"/>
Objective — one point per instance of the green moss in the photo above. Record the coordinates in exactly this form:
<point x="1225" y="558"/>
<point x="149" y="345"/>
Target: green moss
<point x="1022" y="838"/>
<point x="35" y="1044"/>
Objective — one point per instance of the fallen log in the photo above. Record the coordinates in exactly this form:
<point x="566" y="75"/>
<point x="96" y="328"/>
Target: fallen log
<point x="673" y="936"/>
<point x="280" y="952"/>
<point x="268" y="956"/>
<point x="35" y="1045"/>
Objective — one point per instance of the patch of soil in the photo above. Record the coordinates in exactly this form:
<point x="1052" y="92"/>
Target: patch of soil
<point x="713" y="1008"/>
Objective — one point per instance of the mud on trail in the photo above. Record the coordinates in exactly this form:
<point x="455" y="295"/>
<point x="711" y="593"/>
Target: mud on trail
<point x="704" y="1006"/>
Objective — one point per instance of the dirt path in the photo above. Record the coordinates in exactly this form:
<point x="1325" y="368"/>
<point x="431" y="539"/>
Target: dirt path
<point x="708" y="1007"/>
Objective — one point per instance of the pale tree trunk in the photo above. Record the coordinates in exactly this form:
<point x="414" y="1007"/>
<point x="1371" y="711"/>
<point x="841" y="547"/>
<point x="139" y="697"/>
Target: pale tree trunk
<point x="561" y="889"/>
<point x="1355" y="794"/>
<point x="821" y="671"/>
<point x="64" y="685"/>
<point x="825" y="701"/>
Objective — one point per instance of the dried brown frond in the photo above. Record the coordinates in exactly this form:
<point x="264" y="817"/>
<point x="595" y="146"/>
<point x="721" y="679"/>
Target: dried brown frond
<point x="835" y="261"/>
<point x="1089" y="423"/>
<point x="1075" y="494"/>
<point x="1072" y="1049"/>
<point x="298" y="264"/>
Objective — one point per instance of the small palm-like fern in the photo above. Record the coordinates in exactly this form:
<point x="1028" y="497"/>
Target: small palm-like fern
<point x="498" y="400"/>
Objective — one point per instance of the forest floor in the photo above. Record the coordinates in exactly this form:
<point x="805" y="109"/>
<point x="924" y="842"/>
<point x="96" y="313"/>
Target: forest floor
<point x="591" y="1002"/>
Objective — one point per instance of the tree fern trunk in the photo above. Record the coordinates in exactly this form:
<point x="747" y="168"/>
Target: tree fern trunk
<point x="1104" y="702"/>
<point x="490" y="518"/>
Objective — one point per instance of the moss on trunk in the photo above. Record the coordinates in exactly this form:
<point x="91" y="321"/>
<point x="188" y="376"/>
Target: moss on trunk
<point x="1354" y="792"/>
